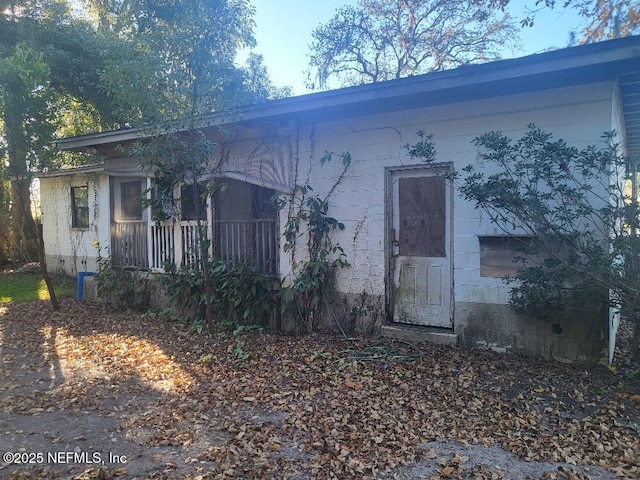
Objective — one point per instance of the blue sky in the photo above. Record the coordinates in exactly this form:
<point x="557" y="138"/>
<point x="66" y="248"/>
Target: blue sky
<point x="283" y="33"/>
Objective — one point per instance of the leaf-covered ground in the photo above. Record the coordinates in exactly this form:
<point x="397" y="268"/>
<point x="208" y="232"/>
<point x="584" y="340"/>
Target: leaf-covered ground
<point x="175" y="404"/>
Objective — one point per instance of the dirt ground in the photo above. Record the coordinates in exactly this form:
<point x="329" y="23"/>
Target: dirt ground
<point x="88" y="393"/>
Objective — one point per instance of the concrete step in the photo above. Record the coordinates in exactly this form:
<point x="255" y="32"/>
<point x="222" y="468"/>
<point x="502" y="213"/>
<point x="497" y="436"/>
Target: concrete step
<point x="412" y="333"/>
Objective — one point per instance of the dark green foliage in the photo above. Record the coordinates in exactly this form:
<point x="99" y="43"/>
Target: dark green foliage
<point x="570" y="200"/>
<point x="241" y="295"/>
<point x="574" y="204"/>
<point x="176" y="159"/>
<point x="553" y="287"/>
<point x="115" y="65"/>
<point x="424" y="149"/>
<point x="123" y="287"/>
<point x="257" y="84"/>
<point x="26" y="124"/>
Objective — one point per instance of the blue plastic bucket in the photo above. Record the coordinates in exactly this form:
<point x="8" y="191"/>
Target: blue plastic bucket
<point x="80" y="284"/>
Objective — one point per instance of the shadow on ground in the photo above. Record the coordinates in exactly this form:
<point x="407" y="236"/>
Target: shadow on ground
<point x="111" y="386"/>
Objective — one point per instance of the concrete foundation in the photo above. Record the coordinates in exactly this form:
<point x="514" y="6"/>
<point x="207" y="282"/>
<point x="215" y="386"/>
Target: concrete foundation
<point x="70" y="264"/>
<point x="361" y="313"/>
<point x="573" y="336"/>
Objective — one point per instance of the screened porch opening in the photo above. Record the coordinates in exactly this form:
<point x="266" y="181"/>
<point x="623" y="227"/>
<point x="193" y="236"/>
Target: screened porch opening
<point x="175" y="241"/>
<point x="129" y="246"/>
<point x="194" y="205"/>
<point x="245" y="225"/>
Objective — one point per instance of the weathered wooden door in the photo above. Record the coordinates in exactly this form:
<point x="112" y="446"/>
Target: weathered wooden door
<point x="420" y="256"/>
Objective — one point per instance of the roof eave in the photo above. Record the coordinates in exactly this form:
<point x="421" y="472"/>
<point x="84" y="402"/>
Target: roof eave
<point x="87" y="169"/>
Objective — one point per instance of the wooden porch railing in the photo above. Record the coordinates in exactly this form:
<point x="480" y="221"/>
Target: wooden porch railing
<point x="165" y="248"/>
<point x="129" y="244"/>
<point x="190" y="240"/>
<point x="162" y="245"/>
<point x="252" y="241"/>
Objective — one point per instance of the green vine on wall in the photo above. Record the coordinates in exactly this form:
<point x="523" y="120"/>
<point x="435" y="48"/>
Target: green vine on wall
<point x="313" y="279"/>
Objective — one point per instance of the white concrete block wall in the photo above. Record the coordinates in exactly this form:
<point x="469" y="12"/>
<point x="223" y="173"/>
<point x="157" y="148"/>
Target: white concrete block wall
<point x="74" y="251"/>
<point x="579" y="115"/>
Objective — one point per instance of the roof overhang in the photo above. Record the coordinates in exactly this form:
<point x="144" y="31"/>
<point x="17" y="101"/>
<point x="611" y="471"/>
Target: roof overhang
<point x="630" y="100"/>
<point x="596" y="62"/>
<point x="87" y="169"/>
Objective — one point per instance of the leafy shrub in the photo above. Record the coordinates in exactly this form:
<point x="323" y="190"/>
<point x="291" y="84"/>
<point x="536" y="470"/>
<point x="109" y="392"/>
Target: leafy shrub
<point x="241" y="294"/>
<point x="123" y="287"/>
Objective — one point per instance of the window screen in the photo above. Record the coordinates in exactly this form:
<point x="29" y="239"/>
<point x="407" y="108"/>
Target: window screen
<point x="131" y="200"/>
<point x="80" y="207"/>
<point x="189" y="199"/>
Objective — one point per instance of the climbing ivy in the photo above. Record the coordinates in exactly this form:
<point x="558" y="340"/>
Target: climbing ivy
<point x="177" y="160"/>
<point x="312" y="279"/>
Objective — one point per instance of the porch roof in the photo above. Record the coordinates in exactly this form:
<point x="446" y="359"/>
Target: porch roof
<point x="611" y="60"/>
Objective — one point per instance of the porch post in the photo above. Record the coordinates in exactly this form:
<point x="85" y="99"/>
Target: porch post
<point x="149" y="226"/>
<point x="210" y="225"/>
<point x="177" y="228"/>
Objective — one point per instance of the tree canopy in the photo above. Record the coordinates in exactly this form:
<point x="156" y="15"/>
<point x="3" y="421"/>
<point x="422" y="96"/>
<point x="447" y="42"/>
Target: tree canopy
<point x="174" y="59"/>
<point x="603" y="19"/>
<point x="69" y="68"/>
<point x="382" y="40"/>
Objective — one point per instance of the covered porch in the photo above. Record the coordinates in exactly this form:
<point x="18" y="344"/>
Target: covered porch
<point x="240" y="219"/>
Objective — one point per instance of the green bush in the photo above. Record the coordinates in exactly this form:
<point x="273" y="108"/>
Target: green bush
<point x="123" y="287"/>
<point x="241" y="294"/>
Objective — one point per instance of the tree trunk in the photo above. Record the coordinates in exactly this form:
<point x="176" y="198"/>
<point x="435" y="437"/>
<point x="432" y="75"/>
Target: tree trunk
<point x="24" y="242"/>
<point x="635" y="339"/>
<point x="24" y="227"/>
<point x="206" y="274"/>
<point x="208" y="291"/>
<point x="4" y="222"/>
<point x="45" y="273"/>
